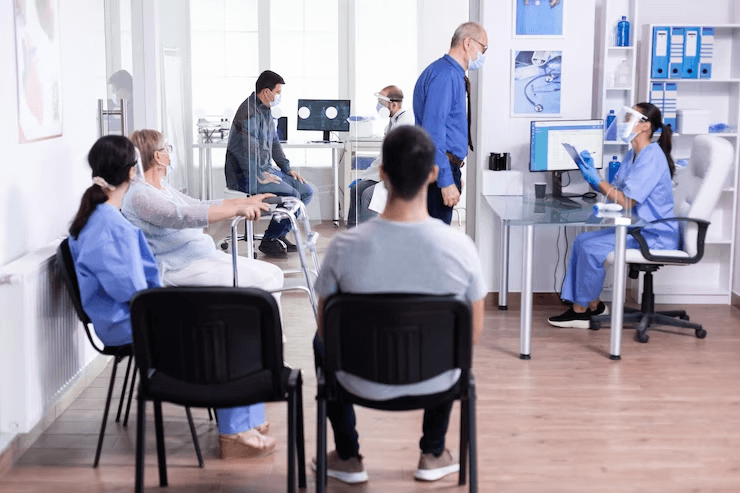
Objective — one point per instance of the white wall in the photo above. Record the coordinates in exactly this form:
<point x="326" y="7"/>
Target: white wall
<point x="42" y="182"/>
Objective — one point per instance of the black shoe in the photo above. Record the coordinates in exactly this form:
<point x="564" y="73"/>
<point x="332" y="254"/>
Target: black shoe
<point x="290" y="247"/>
<point x="273" y="248"/>
<point x="602" y="309"/>
<point x="572" y="319"/>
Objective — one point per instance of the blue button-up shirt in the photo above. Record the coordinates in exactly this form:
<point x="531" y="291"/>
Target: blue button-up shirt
<point x="440" y="107"/>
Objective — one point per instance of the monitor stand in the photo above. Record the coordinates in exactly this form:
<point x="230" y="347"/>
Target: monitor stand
<point x="327" y="136"/>
<point x="557" y="192"/>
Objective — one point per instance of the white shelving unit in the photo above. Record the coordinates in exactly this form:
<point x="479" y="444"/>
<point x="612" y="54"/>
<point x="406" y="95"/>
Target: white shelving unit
<point x="616" y="69"/>
<point x="709" y="281"/>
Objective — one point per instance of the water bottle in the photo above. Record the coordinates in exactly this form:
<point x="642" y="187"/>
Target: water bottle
<point x="623" y="32"/>
<point x="611" y="130"/>
<point x="613" y="168"/>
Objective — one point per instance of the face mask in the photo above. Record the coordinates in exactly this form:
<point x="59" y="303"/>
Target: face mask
<point x="624" y="130"/>
<point x="275" y="101"/>
<point x="478" y="62"/>
<point x="383" y="111"/>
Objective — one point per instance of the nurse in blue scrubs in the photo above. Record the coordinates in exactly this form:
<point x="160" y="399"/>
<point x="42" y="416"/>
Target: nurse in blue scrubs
<point x="113" y="262"/>
<point x="644" y="185"/>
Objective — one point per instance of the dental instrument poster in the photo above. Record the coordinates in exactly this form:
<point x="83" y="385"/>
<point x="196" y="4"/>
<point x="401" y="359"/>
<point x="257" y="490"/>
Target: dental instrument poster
<point x="538" y="18"/>
<point x="535" y="84"/>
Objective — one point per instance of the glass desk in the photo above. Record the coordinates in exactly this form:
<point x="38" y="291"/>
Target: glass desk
<point x="517" y="210"/>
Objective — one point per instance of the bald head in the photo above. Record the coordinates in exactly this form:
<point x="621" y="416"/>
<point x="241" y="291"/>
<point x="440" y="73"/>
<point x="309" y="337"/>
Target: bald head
<point x="466" y="30"/>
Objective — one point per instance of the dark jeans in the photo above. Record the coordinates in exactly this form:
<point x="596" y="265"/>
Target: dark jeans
<point x="288" y="187"/>
<point x="344" y="424"/>
<point x="358" y="196"/>
<point x="436" y="204"/>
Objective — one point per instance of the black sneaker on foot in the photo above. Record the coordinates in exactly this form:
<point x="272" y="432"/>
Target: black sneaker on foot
<point x="273" y="248"/>
<point x="572" y="319"/>
<point x="290" y="247"/>
<point x="602" y="309"/>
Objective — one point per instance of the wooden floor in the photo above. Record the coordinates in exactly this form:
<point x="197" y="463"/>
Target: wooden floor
<point x="666" y="418"/>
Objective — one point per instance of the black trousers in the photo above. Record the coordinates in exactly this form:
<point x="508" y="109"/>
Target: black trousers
<point x="435" y="203"/>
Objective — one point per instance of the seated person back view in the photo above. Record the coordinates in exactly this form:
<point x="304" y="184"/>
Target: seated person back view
<point x="417" y="254"/>
<point x="390" y="102"/>
<point x="253" y="145"/>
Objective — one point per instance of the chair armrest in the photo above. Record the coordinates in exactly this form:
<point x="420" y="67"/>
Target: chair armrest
<point x="645" y="250"/>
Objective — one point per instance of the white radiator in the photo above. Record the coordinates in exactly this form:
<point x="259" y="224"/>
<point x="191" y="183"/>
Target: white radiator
<point x="43" y="346"/>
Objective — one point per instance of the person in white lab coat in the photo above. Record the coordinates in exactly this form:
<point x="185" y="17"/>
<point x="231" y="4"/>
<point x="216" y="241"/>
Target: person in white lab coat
<point x="390" y="104"/>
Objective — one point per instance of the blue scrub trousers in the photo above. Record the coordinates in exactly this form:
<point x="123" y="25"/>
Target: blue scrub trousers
<point x="234" y="420"/>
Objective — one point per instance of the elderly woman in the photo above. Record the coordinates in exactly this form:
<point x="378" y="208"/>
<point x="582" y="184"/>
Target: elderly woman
<point x="173" y="225"/>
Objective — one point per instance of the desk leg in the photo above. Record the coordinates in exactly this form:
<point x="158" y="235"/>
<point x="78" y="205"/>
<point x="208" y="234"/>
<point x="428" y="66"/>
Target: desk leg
<point x="202" y="172"/>
<point x="503" y="292"/>
<point x="615" y="350"/>
<point x="335" y="167"/>
<point x="209" y="175"/>
<point x="525" y="328"/>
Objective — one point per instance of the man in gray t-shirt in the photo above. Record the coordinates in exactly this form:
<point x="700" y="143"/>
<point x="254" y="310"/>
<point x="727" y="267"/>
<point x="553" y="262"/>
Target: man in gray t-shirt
<point x="403" y="251"/>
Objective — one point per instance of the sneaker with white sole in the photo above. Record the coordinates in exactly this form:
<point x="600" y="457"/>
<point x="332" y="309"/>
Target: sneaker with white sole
<point x="573" y="319"/>
<point x="432" y="468"/>
<point x="350" y="471"/>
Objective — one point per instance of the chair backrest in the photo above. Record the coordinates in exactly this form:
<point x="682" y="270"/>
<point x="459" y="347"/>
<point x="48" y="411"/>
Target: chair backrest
<point x="709" y="165"/>
<point x="67" y="268"/>
<point x="207" y="335"/>
<point x="396" y="339"/>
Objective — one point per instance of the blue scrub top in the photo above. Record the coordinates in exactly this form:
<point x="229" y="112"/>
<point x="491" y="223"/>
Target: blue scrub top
<point x="113" y="261"/>
<point x="646" y="179"/>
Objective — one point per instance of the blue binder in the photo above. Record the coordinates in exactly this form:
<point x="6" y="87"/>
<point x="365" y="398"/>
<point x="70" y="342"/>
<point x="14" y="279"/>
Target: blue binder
<point x="657" y="94"/>
<point x="676" y="61"/>
<point x="691" y="47"/>
<point x="670" y="100"/>
<point x="706" y="53"/>
<point x="661" y="47"/>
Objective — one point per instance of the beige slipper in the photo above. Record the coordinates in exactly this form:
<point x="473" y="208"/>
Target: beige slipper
<point x="243" y="445"/>
<point x="263" y="428"/>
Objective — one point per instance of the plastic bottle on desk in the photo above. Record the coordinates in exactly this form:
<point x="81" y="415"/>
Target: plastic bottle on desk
<point x="623" y="32"/>
<point x="613" y="168"/>
<point x="611" y="130"/>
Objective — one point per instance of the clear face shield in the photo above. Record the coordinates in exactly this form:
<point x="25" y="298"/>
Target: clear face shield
<point x="382" y="109"/>
<point x="138" y="167"/>
<point x="624" y="124"/>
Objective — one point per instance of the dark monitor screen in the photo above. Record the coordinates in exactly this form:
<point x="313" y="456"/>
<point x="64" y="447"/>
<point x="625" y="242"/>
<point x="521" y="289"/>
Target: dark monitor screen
<point x="282" y="128"/>
<point x="324" y="114"/>
<point x="546" y="145"/>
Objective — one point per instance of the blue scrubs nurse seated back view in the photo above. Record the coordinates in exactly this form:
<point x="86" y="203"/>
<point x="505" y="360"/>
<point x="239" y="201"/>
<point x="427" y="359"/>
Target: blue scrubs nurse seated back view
<point x="644" y="185"/>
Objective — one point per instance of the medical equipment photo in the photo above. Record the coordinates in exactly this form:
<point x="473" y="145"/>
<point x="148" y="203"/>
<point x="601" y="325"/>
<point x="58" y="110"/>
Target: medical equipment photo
<point x="538" y="18"/>
<point x="536" y="82"/>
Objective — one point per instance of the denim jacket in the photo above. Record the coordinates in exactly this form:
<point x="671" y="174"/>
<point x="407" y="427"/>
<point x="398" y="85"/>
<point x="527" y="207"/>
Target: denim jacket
<point x="253" y="143"/>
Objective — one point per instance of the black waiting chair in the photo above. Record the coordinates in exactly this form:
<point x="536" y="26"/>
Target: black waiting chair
<point x="398" y="340"/>
<point x="212" y="347"/>
<point x="69" y="275"/>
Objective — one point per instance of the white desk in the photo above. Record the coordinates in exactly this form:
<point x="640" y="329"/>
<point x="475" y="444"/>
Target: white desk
<point x="517" y="210"/>
<point x="205" y="165"/>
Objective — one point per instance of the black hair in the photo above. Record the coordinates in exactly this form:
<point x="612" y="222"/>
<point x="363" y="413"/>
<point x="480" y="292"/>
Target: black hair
<point x="408" y="158"/>
<point x="652" y="113"/>
<point x="268" y="80"/>
<point x="110" y="158"/>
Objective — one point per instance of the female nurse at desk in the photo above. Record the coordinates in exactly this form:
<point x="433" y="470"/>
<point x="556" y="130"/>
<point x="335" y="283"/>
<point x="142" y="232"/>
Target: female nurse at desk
<point x="643" y="185"/>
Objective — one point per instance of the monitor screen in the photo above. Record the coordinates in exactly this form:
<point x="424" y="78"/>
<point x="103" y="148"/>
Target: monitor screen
<point x="323" y="114"/>
<point x="546" y="151"/>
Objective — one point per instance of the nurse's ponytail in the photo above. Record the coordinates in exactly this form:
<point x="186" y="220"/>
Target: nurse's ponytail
<point x="110" y="158"/>
<point x="652" y="113"/>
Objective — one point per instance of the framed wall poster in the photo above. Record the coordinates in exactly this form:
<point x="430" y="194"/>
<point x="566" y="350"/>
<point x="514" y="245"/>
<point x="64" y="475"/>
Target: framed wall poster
<point x="38" y="64"/>
<point x="535" y="83"/>
<point x="538" y="18"/>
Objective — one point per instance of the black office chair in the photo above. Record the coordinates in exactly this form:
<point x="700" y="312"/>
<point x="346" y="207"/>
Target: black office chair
<point x="212" y="347"/>
<point x="66" y="266"/>
<point x="399" y="340"/>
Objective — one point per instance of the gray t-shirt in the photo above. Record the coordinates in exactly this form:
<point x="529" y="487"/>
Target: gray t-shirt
<point x="381" y="256"/>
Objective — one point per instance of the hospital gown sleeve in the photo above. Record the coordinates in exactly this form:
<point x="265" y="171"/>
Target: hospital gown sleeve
<point x="645" y="174"/>
<point x="158" y="210"/>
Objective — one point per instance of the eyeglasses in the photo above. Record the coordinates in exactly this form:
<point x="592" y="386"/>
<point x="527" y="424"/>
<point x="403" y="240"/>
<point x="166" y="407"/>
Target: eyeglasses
<point x="485" y="47"/>
<point x="167" y="148"/>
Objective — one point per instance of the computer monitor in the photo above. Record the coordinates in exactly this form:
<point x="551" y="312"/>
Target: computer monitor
<point x="282" y="128"/>
<point x="327" y="115"/>
<point x="546" y="151"/>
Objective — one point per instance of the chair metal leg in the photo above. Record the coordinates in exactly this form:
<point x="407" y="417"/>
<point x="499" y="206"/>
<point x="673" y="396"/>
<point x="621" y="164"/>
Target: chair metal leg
<point x="116" y="360"/>
<point x="140" y="421"/>
<point x="661" y="319"/>
<point x="321" y="446"/>
<point x="123" y="390"/>
<point x="159" y="428"/>
<point x="464" y="440"/>
<point x="130" y="395"/>
<point x="472" y="439"/>
<point x="301" y="437"/>
<point x="195" y="437"/>
<point x="673" y="313"/>
<point x="210" y="416"/>
<point x="291" y="440"/>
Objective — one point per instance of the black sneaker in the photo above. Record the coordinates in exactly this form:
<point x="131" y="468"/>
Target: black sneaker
<point x="288" y="245"/>
<point x="273" y="248"/>
<point x="572" y="319"/>
<point x="602" y="309"/>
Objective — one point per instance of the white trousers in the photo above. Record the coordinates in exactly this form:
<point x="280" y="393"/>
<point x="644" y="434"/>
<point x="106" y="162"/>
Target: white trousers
<point x="217" y="270"/>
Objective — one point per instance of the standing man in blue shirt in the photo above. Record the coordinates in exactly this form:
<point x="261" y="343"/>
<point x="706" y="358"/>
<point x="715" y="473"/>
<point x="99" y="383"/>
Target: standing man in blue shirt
<point x="440" y="107"/>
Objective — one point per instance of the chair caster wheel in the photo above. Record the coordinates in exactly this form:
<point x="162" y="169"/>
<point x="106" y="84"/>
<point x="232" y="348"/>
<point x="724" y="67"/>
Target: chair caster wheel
<point x="642" y="337"/>
<point x="685" y="317"/>
<point x="224" y="246"/>
<point x="593" y="325"/>
<point x="701" y="333"/>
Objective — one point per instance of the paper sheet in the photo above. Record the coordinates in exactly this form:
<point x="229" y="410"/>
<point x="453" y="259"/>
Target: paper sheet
<point x="380" y="196"/>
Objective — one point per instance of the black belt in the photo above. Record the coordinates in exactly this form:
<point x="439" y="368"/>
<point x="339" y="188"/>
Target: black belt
<point x="455" y="160"/>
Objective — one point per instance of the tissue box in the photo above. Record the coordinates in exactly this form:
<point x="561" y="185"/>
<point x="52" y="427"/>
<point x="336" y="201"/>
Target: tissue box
<point x="692" y="121"/>
<point x="502" y="182"/>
